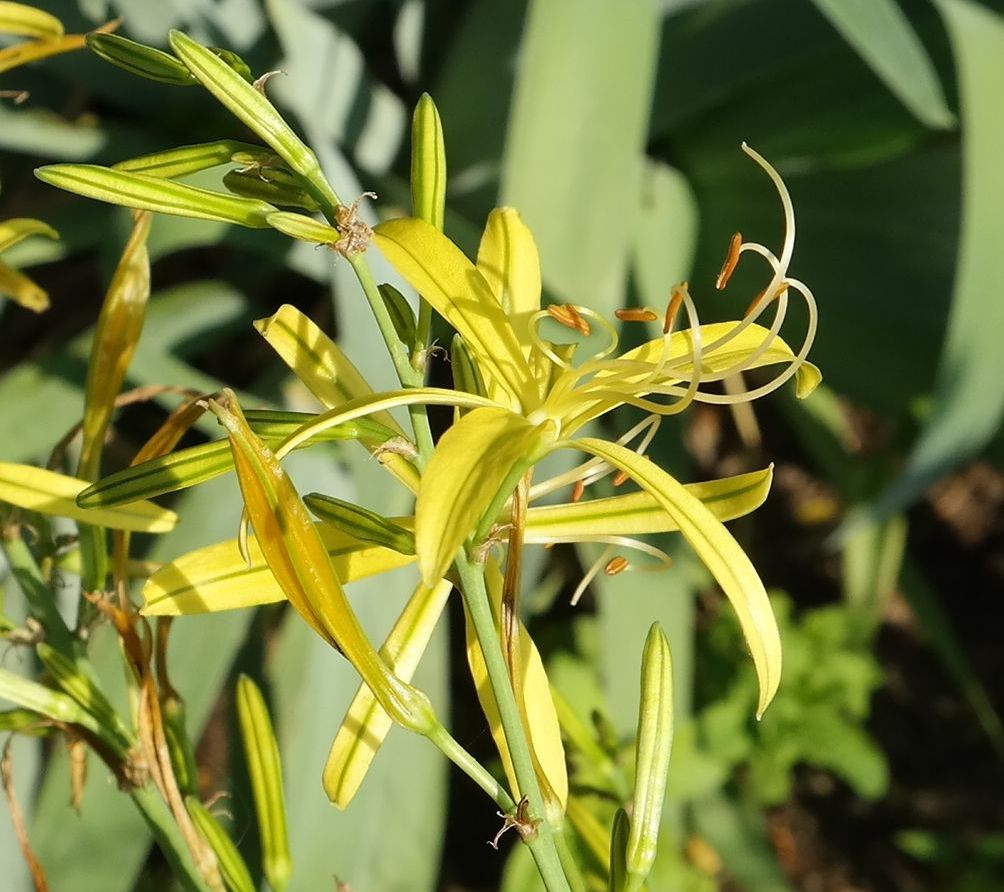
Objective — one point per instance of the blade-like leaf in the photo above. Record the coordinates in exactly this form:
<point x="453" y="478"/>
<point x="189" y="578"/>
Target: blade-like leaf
<point x="884" y="38"/>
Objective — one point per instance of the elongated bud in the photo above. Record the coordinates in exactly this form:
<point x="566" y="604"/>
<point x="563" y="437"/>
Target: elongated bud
<point x="184" y="160"/>
<point x="361" y="523"/>
<point x="46" y="702"/>
<point x="233" y="61"/>
<point x="140" y="59"/>
<point x="401" y="314"/>
<point x="265" y="770"/>
<point x="618" y="851"/>
<point x="466" y="375"/>
<point x="304" y="228"/>
<point x="278" y="187"/>
<point x="428" y="164"/>
<point x="232" y="867"/>
<point x="652" y="752"/>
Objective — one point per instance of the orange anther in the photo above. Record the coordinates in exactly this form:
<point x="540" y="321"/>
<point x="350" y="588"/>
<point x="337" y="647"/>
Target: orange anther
<point x="578" y="490"/>
<point x="620" y="477"/>
<point x="731" y="259"/>
<point x="570" y="317"/>
<point x="673" y="307"/>
<point x="615" y="565"/>
<point x="636" y="314"/>
<point x="755" y="303"/>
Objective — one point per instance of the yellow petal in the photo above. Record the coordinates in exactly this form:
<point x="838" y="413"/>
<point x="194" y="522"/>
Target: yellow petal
<point x="535" y="704"/>
<point x="509" y="261"/>
<point x="438" y="270"/>
<point x="466" y="472"/>
<point x="637" y="513"/>
<point x="365" y="724"/>
<point x="217" y="577"/>
<point x="22" y="290"/>
<point x="47" y="492"/>
<point x="719" y="551"/>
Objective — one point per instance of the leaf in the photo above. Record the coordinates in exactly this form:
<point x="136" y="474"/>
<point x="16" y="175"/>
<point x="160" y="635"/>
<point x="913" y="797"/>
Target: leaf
<point x="715" y="546"/>
<point x="137" y="190"/>
<point x="883" y="37"/>
<point x="968" y="403"/>
<point x="438" y="270"/>
<point x="47" y="492"/>
<point x="365" y="725"/>
<point x="464" y="475"/>
<point x="576" y="139"/>
<point x="638" y="513"/>
<point x="216" y="577"/>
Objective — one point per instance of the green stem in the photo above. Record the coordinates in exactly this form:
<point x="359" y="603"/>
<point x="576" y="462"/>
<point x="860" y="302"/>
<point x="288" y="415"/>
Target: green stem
<point x="543" y="845"/>
<point x="38" y="594"/>
<point x="568" y="862"/>
<point x="408" y="375"/>
<point x="165" y="832"/>
<point x="453" y="751"/>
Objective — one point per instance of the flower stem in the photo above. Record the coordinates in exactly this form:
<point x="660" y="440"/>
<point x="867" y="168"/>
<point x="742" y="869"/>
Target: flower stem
<point x="165" y="832"/>
<point x="453" y="751"/>
<point x="542" y="847"/>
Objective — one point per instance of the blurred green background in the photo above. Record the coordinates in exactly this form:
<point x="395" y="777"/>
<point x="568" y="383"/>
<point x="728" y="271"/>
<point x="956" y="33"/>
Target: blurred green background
<point x="614" y="127"/>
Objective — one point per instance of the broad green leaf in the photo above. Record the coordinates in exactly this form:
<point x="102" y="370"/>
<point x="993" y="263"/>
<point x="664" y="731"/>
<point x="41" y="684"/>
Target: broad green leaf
<point x="428" y="164"/>
<point x="472" y="461"/>
<point x="438" y="270"/>
<point x="969" y="401"/>
<point x="48" y="492"/>
<point x="883" y="37"/>
<point x="22" y="290"/>
<point x="540" y="719"/>
<point x="719" y="551"/>
<point x="27" y="21"/>
<point x="576" y="139"/>
<point x="253" y="108"/>
<point x="638" y="513"/>
<point x="139" y="59"/>
<point x="217" y="578"/>
<point x="13" y="231"/>
<point x="365" y="725"/>
<point x="261" y="752"/>
<point x="184" y="160"/>
<point x="150" y="193"/>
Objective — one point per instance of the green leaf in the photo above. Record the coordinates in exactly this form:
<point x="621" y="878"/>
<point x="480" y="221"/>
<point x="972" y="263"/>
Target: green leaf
<point x="576" y="139"/>
<point x="136" y="190"/>
<point x="883" y="37"/>
<point x="969" y="402"/>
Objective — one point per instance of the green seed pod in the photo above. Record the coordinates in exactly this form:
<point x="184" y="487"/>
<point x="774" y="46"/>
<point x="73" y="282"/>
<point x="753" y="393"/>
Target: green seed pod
<point x="278" y="187"/>
<point x="262" y="754"/>
<point x="466" y="375"/>
<point x="401" y="313"/>
<point x="653" y="748"/>
<point x="140" y="59"/>
<point x="232" y="867"/>
<point x="363" y="524"/>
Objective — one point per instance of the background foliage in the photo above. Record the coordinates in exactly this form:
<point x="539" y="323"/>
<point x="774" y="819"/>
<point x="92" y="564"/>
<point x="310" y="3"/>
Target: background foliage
<point x="614" y="128"/>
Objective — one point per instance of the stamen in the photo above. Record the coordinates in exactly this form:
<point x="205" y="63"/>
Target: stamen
<point x="755" y="303"/>
<point x="578" y="490"/>
<point x="731" y="259"/>
<point x="580" y="589"/>
<point x="620" y="478"/>
<point x="636" y="314"/>
<point x="569" y="316"/>
<point x="616" y="565"/>
<point x="673" y="307"/>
